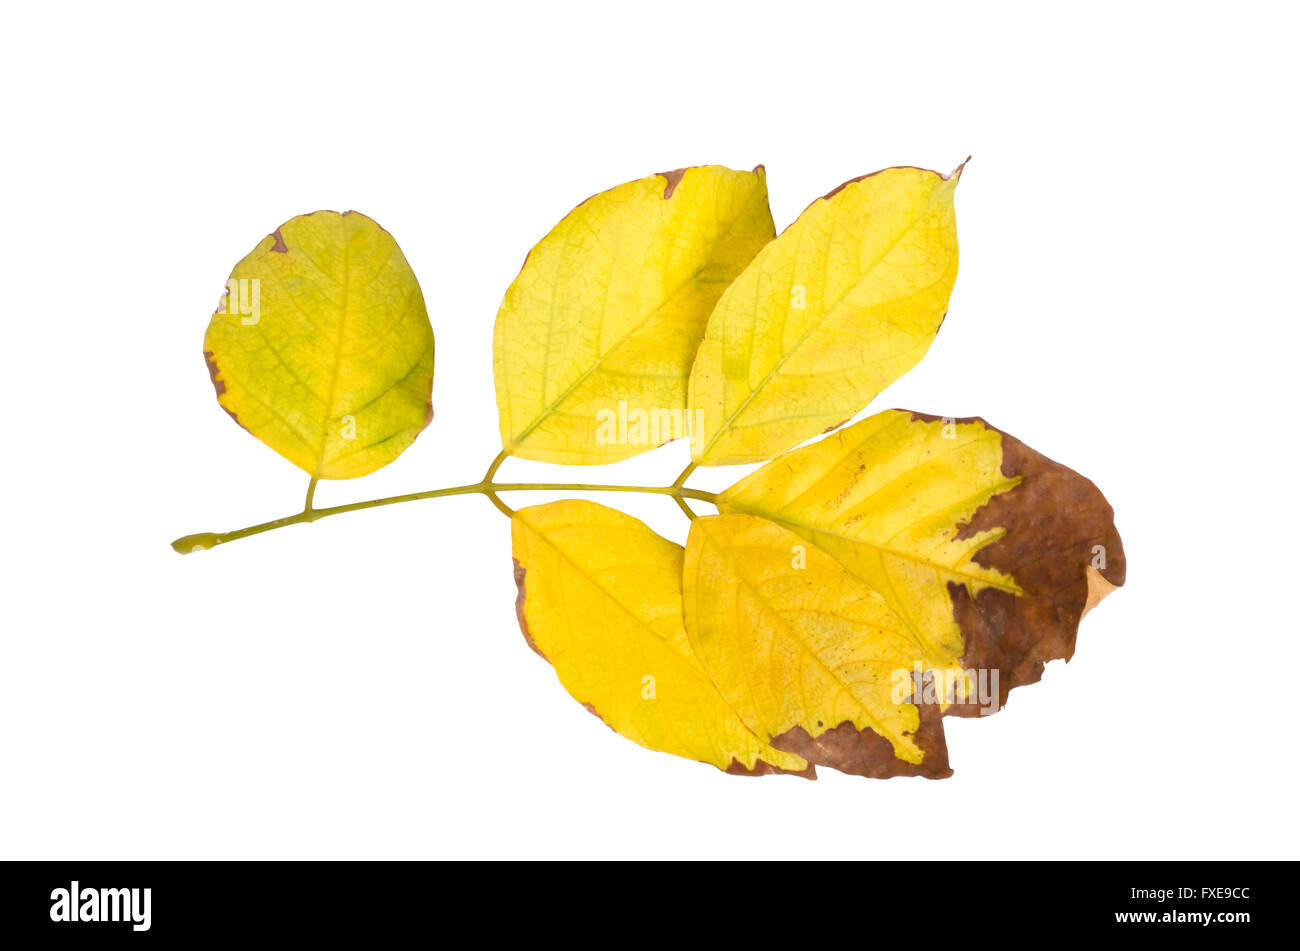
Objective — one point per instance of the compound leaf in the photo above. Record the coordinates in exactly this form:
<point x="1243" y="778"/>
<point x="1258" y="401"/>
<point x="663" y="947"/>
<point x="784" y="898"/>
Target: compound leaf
<point x="988" y="552"/>
<point x="808" y="655"/>
<point x="600" y="598"/>
<point x="594" y="339"/>
<point x="322" y="348"/>
<point x="844" y="302"/>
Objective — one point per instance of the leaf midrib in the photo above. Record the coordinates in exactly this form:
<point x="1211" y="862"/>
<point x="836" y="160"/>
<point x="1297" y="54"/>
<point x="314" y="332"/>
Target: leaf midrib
<point x="338" y="347"/>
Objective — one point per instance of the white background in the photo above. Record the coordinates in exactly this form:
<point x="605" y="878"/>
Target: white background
<point x="359" y="687"/>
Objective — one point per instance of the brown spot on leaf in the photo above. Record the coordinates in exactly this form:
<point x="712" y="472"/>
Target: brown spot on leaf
<point x="520" y="572"/>
<point x="214" y="374"/>
<point x="764" y="768"/>
<point x="231" y="414"/>
<point x="279" y="247"/>
<point x="1054" y="521"/>
<point x="219" y="385"/>
<point x="867" y="753"/>
<point x="834" y="426"/>
<point x="590" y="708"/>
<point x="673" y="179"/>
<point x="428" y="404"/>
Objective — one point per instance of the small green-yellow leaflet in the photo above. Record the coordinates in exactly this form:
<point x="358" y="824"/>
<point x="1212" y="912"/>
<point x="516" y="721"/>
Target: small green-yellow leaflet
<point x="322" y="347"/>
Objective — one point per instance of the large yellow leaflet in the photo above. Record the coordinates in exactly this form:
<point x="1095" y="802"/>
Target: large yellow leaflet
<point x="809" y="656"/>
<point x="844" y="302"/>
<point x="600" y="597"/>
<point x="322" y="348"/>
<point x="987" y="551"/>
<point x="594" y="339"/>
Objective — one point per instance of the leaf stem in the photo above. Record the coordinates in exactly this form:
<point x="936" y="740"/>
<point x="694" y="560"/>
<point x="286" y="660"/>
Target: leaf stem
<point x="502" y="456"/>
<point x="492" y="497"/>
<point x="204" y="540"/>
<point x="677" y="484"/>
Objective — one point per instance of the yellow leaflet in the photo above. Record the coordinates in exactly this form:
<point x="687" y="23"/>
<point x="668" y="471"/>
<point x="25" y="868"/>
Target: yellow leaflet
<point x="887" y="498"/>
<point x="844" y="302"/>
<point x="794" y="641"/>
<point x="600" y="597"/>
<point x="322" y="347"/>
<point x="595" y="338"/>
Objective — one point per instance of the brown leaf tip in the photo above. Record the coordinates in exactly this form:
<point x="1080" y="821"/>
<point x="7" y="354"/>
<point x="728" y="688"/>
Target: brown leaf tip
<point x="279" y="247"/>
